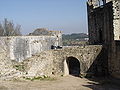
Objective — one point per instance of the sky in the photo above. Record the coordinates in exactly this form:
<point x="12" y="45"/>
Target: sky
<point x="68" y="16"/>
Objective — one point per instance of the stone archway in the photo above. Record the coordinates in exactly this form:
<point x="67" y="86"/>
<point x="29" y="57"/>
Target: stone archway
<point x="72" y="66"/>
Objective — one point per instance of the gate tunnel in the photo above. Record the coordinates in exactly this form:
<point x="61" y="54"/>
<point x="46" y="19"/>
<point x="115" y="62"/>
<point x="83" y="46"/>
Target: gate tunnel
<point x="73" y="66"/>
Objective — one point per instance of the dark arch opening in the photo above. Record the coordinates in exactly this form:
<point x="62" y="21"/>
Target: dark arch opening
<point x="73" y="66"/>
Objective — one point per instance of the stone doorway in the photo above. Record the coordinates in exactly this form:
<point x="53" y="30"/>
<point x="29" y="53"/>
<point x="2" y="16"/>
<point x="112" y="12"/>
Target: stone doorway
<point x="73" y="65"/>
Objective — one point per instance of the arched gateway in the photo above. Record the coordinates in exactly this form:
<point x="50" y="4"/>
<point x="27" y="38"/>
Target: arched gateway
<point x="72" y="66"/>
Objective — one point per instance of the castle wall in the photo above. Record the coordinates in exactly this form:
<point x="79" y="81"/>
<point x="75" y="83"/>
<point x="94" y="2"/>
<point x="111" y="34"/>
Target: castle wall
<point x="104" y="23"/>
<point x="115" y="61"/>
<point x="51" y="62"/>
<point x="100" y="24"/>
<point x="116" y="19"/>
<point x="86" y="55"/>
<point x="22" y="47"/>
<point x="104" y="29"/>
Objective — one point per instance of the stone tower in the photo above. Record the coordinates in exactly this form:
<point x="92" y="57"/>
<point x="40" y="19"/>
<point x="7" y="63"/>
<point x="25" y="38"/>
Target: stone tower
<point x="104" y="29"/>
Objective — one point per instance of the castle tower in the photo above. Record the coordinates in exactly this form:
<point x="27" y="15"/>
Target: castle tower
<point x="93" y="3"/>
<point x="104" y="29"/>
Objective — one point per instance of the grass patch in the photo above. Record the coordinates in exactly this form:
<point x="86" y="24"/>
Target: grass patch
<point x="41" y="78"/>
<point x="19" y="67"/>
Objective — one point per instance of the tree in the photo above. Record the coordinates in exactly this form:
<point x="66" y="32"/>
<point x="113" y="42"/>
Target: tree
<point x="7" y="28"/>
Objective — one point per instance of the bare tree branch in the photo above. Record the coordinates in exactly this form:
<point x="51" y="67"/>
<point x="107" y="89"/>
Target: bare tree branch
<point x="7" y="28"/>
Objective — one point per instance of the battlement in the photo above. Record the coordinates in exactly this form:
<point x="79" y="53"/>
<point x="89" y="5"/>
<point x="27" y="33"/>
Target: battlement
<point x="98" y="3"/>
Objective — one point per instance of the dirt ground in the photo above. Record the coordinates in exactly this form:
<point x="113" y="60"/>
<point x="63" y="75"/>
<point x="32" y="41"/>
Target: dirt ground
<point x="61" y="83"/>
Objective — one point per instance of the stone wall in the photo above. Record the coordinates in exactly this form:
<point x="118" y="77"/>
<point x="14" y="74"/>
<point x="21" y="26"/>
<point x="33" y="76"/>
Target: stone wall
<point x="104" y="23"/>
<point x="114" y="59"/>
<point x="116" y="19"/>
<point x="6" y="65"/>
<point x="104" y="29"/>
<point x="100" y="24"/>
<point x="22" y="47"/>
<point x="52" y="62"/>
<point x="85" y="54"/>
<point x="39" y="64"/>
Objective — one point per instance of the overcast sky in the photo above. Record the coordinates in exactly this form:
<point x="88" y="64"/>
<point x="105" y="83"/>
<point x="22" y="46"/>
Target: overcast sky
<point x="68" y="16"/>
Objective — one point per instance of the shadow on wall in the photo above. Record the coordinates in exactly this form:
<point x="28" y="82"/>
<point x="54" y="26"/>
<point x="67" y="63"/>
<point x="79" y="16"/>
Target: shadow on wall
<point x="98" y="74"/>
<point x="103" y="84"/>
<point x="73" y="66"/>
<point x="99" y="67"/>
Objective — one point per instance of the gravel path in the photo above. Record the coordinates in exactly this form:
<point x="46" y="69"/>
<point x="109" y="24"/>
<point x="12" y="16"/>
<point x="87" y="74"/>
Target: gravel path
<point x="62" y="83"/>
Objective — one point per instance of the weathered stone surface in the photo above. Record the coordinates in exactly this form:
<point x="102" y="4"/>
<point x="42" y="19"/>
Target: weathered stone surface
<point x="104" y="29"/>
<point x="22" y="47"/>
<point x="52" y="61"/>
<point x="41" y="60"/>
<point x="6" y="66"/>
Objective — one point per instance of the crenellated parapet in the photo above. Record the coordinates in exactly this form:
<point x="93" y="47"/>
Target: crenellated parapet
<point x="97" y="3"/>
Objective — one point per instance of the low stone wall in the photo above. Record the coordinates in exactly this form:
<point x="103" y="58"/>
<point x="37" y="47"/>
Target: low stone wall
<point x="52" y="61"/>
<point x="86" y="55"/>
<point x="39" y="64"/>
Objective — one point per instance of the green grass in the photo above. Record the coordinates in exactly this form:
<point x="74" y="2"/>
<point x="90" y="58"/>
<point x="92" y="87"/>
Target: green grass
<point x="19" y="67"/>
<point x="42" y="78"/>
